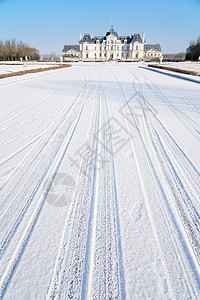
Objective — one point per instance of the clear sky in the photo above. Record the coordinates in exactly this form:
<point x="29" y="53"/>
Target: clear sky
<point x="48" y="25"/>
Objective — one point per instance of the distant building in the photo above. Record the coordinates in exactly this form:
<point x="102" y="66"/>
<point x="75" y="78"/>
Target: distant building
<point x="112" y="47"/>
<point x="152" y="51"/>
<point x="71" y="51"/>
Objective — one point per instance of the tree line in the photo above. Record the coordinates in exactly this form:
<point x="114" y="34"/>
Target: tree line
<point x="11" y="50"/>
<point x="193" y="51"/>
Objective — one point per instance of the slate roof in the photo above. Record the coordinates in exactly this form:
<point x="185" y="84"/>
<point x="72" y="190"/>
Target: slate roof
<point x="130" y="39"/>
<point x="112" y="32"/>
<point x="155" y="47"/>
<point x="86" y="38"/>
<point x="73" y="47"/>
<point x="136" y="37"/>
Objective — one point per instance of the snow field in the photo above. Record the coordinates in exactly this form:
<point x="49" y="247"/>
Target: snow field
<point x="7" y="67"/>
<point x="99" y="185"/>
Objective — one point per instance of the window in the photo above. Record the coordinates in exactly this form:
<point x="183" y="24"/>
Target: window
<point x="117" y="54"/>
<point x="99" y="54"/>
<point x="136" y="48"/>
<point x="122" y="54"/>
<point x="111" y="41"/>
<point x="118" y="48"/>
<point x="104" y="54"/>
<point x="111" y="47"/>
<point x="86" y="48"/>
<point x="95" y="48"/>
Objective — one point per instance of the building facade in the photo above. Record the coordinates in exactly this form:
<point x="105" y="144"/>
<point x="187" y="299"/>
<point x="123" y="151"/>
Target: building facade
<point x="112" y="47"/>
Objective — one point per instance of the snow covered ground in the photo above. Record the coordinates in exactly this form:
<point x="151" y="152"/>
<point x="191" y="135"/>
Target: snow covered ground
<point x="99" y="184"/>
<point x="191" y="66"/>
<point x="9" y="67"/>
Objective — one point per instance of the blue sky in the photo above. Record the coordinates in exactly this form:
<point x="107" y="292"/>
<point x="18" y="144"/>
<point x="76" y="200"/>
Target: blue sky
<point x="48" y="25"/>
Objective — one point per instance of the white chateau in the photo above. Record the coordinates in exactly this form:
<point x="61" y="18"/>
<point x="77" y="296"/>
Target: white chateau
<point x="112" y="47"/>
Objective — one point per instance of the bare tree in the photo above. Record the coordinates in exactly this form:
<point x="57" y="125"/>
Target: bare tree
<point x="13" y="50"/>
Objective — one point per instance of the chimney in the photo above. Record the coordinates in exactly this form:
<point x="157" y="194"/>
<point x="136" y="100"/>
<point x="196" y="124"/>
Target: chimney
<point x="143" y="37"/>
<point x="80" y="36"/>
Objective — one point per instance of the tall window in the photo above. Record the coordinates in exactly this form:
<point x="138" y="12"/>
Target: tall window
<point x="136" y="48"/>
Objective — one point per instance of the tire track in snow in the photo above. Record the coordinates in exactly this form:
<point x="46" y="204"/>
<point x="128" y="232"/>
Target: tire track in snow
<point x="187" y="169"/>
<point x="106" y="275"/>
<point x="183" y="202"/>
<point x="44" y="98"/>
<point x="14" y="210"/>
<point x="187" y="121"/>
<point x="68" y="273"/>
<point x="53" y="127"/>
<point x="187" y="214"/>
<point x="176" y="257"/>
<point x="30" y="226"/>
